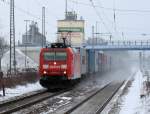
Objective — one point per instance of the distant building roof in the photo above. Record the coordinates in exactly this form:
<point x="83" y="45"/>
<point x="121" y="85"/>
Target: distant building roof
<point x="71" y="15"/>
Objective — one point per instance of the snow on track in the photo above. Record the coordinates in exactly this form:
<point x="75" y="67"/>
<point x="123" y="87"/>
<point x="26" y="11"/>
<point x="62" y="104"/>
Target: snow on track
<point x="19" y="90"/>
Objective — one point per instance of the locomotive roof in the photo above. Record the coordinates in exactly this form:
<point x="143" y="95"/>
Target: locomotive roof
<point x="59" y="45"/>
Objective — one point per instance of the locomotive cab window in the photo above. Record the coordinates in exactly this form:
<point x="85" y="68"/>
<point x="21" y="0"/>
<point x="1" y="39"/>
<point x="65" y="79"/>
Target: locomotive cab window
<point x="61" y="56"/>
<point x="50" y="56"/>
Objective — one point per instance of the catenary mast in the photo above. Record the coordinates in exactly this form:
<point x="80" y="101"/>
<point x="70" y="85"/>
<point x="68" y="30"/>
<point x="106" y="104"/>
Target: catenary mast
<point x="12" y="39"/>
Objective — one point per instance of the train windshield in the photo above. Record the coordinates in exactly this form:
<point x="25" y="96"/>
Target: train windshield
<point x="60" y="56"/>
<point x="49" y="56"/>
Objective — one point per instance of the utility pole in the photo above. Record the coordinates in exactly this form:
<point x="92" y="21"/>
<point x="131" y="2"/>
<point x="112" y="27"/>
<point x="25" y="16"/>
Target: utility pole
<point x="96" y="30"/>
<point x="25" y="63"/>
<point x="93" y="51"/>
<point x="143" y="59"/>
<point x="1" y="55"/>
<point x="115" y="28"/>
<point x="66" y="9"/>
<point x="92" y="37"/>
<point x="110" y="37"/>
<point x="1" y="52"/>
<point x="12" y="38"/>
<point x="43" y="26"/>
<point x="140" y="60"/>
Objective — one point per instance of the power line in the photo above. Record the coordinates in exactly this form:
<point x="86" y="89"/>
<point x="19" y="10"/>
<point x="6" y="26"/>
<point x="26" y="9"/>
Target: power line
<point x="30" y="14"/>
<point x="114" y="23"/>
<point x="111" y="9"/>
<point x="96" y="11"/>
<point x="27" y="12"/>
<point x="20" y="9"/>
<point x="39" y="4"/>
<point x="43" y="27"/>
<point x="104" y="12"/>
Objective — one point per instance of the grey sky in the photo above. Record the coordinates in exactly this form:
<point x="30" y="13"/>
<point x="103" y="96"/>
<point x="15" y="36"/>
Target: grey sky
<point x="132" y="23"/>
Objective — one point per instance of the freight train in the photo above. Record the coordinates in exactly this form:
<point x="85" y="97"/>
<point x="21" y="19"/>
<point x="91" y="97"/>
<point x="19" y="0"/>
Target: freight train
<point x="61" y="64"/>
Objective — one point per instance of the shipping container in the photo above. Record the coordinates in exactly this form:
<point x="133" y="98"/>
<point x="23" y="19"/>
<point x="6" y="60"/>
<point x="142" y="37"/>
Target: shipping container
<point x="104" y="62"/>
<point x="83" y="55"/>
<point x="96" y="63"/>
<point x="91" y="61"/>
<point x="100" y="63"/>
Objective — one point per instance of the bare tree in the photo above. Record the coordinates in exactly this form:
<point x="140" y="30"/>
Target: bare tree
<point x="3" y="47"/>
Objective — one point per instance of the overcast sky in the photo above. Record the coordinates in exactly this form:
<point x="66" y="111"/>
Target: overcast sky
<point x="132" y="16"/>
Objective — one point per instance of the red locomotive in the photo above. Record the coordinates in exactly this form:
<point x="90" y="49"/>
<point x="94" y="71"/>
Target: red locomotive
<point x="59" y="64"/>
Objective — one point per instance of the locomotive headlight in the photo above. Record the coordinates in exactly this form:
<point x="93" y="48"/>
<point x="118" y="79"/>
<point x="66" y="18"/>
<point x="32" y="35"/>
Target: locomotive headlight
<point x="65" y="72"/>
<point x="64" y="66"/>
<point x="45" y="66"/>
<point x="44" y="72"/>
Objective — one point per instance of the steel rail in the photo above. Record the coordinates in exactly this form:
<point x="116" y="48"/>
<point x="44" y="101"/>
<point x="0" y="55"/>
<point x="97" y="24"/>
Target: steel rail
<point x="24" y="102"/>
<point x="21" y="97"/>
<point x="108" y="100"/>
<point x="105" y="103"/>
<point x="85" y="100"/>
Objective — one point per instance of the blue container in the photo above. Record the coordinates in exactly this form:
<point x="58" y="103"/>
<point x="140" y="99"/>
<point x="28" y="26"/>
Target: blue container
<point x="83" y="60"/>
<point x="91" y="61"/>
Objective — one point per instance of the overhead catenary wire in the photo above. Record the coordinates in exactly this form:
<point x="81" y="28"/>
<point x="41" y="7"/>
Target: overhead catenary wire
<point x="97" y="12"/>
<point x="52" y="25"/>
<point x="111" y="9"/>
<point x="20" y="9"/>
<point x="104" y="12"/>
<point x="27" y="12"/>
<point x="113" y="22"/>
<point x="40" y="4"/>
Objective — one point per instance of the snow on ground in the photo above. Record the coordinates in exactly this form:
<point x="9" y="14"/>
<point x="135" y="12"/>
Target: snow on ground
<point x="20" y="58"/>
<point x="60" y="101"/>
<point x="133" y="104"/>
<point x="19" y="90"/>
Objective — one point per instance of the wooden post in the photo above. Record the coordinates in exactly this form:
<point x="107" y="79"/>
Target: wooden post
<point x="3" y="85"/>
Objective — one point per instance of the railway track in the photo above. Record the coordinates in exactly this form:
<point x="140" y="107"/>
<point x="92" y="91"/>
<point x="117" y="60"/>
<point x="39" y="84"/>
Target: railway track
<point x="95" y="103"/>
<point x="26" y="101"/>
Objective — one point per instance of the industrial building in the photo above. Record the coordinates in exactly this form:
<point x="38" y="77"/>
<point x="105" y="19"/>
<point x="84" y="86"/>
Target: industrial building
<point x="33" y="37"/>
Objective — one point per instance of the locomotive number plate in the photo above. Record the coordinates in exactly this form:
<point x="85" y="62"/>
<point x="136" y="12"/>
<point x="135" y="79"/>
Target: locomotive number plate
<point x="54" y="66"/>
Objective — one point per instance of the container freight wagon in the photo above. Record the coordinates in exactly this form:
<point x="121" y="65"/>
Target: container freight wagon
<point x="91" y="61"/>
<point x="93" y="65"/>
<point x="104" y="62"/>
<point x="98" y="61"/>
<point x="84" y="61"/>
